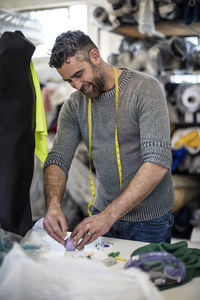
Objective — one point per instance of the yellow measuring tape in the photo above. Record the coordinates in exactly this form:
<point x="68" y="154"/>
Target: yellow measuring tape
<point x="116" y="142"/>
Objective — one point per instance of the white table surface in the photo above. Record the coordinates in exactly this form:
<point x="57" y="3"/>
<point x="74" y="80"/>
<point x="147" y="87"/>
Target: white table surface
<point x="188" y="291"/>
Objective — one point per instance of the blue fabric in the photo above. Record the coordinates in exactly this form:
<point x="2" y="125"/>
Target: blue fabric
<point x="178" y="156"/>
<point x="192" y="11"/>
<point x="152" y="231"/>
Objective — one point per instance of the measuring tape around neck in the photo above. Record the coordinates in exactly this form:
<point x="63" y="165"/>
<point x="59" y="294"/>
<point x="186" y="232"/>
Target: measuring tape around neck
<point x="116" y="142"/>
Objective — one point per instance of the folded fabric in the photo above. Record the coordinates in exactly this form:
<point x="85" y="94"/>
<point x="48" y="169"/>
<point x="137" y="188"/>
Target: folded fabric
<point x="191" y="139"/>
<point x="187" y="138"/>
<point x="190" y="256"/>
<point x="178" y="156"/>
<point x="41" y="127"/>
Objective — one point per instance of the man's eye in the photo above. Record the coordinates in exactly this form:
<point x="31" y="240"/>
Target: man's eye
<point x="79" y="75"/>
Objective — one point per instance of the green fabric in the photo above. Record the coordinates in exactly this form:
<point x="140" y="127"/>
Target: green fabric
<point x="190" y="256"/>
<point x="41" y="128"/>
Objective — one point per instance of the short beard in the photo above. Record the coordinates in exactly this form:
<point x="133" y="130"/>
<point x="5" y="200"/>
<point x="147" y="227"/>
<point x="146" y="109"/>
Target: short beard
<point x="98" y="83"/>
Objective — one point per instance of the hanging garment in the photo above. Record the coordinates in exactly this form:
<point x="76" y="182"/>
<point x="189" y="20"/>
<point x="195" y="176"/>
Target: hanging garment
<point x="41" y="127"/>
<point x="17" y="131"/>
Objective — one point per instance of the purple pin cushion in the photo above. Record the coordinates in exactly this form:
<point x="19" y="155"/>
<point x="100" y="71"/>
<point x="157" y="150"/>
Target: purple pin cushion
<point x="69" y="245"/>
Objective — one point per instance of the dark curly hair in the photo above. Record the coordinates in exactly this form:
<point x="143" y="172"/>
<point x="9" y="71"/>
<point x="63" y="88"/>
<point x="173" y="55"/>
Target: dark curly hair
<point x="69" y="44"/>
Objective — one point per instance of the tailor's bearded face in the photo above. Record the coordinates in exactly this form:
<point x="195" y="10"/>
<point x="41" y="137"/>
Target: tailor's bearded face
<point x="83" y="76"/>
<point x="95" y="86"/>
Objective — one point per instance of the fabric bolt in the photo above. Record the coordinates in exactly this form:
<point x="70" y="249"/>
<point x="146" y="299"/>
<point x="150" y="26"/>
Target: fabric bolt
<point x="154" y="231"/>
<point x="191" y="98"/>
<point x="190" y="256"/>
<point x="17" y="132"/>
<point x="143" y="133"/>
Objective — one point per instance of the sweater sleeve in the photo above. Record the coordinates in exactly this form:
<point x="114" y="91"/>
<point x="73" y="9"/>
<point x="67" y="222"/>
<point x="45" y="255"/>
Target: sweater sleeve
<point x="153" y="121"/>
<point x="67" y="137"/>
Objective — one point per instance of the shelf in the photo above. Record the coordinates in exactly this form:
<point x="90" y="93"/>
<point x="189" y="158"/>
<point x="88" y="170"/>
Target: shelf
<point x="167" y="28"/>
<point x="185" y="125"/>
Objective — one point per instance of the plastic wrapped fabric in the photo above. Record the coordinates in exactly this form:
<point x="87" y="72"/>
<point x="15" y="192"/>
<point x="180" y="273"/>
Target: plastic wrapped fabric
<point x="164" y="268"/>
<point x="190" y="257"/>
<point x="69" y="278"/>
<point x="7" y="240"/>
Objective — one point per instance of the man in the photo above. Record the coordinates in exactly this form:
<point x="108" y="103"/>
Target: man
<point x="134" y="193"/>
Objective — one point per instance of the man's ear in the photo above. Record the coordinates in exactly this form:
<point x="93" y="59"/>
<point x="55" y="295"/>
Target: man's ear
<point x="95" y="56"/>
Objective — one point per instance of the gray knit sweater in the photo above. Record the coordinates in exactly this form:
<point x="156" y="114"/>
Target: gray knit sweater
<point x="143" y="133"/>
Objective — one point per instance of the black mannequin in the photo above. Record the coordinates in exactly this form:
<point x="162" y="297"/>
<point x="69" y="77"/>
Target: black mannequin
<point x="17" y="132"/>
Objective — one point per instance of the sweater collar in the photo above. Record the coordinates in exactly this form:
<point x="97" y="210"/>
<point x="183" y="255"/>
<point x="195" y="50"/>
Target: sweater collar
<point x="122" y="80"/>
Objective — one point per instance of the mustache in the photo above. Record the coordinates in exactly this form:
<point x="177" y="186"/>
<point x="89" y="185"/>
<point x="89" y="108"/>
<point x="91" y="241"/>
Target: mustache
<point x="84" y="87"/>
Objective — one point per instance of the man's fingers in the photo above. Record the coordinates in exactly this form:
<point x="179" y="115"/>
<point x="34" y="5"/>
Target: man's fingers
<point x="93" y="238"/>
<point x="54" y="231"/>
<point x="63" y="225"/>
<point x="86" y="240"/>
<point x="82" y="226"/>
<point x="58" y="239"/>
<point x="89" y="230"/>
<point x="55" y="226"/>
<point x="79" y="232"/>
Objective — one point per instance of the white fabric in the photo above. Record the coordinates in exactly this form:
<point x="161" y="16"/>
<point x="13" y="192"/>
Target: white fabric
<point x="191" y="98"/>
<point x="22" y="278"/>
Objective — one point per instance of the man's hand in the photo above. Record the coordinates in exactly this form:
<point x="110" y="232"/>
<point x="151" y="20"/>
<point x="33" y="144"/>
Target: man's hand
<point x="54" y="188"/>
<point x="90" y="229"/>
<point x="55" y="224"/>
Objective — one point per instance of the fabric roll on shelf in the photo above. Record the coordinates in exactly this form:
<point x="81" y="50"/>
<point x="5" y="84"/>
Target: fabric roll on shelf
<point x="100" y="16"/>
<point x="191" y="98"/>
<point x="186" y="99"/>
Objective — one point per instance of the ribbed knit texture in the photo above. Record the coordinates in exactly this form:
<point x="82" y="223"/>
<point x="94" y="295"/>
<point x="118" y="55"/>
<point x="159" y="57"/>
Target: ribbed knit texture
<point x="143" y="133"/>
